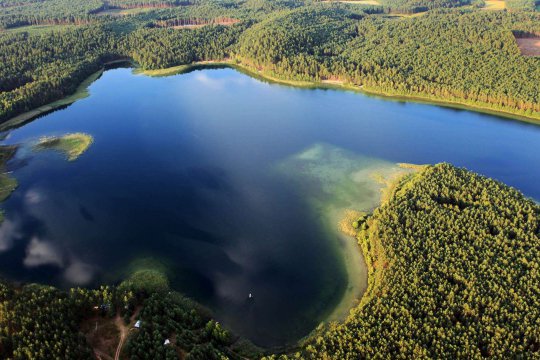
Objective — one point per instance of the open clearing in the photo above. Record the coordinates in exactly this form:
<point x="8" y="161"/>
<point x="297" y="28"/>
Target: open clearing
<point x="102" y="335"/>
<point x="39" y="29"/>
<point x="529" y="46"/>
<point x="357" y="2"/>
<point x="494" y="5"/>
<point x="195" y="23"/>
<point x="124" y="12"/>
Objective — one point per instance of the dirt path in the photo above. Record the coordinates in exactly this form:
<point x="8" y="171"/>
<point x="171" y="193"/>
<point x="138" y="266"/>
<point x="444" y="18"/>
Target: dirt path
<point x="123" y="334"/>
<point x="100" y="355"/>
<point x="124" y="330"/>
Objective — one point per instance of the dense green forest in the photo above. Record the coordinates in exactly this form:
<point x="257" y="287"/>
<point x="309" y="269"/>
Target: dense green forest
<point x="458" y="55"/>
<point x="48" y="12"/>
<point x="42" y="322"/>
<point x="161" y="48"/>
<point x="54" y="64"/>
<point x="465" y="56"/>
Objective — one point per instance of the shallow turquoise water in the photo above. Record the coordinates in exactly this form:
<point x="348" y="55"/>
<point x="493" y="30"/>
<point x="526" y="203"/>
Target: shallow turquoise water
<point x="186" y="174"/>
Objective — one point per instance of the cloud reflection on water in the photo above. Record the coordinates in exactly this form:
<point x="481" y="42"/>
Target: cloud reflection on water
<point x="40" y="252"/>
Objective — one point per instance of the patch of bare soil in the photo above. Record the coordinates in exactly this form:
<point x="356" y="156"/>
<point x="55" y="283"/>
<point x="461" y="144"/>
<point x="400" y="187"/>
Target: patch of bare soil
<point x="195" y="23"/>
<point x="529" y="46"/>
<point x="102" y="335"/>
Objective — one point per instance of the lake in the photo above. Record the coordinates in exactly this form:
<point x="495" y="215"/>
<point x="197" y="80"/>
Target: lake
<point x="231" y="186"/>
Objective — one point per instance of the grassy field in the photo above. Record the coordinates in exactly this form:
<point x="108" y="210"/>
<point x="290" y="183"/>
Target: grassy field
<point x="39" y="29"/>
<point x="402" y="15"/>
<point x="124" y="12"/>
<point x="357" y="2"/>
<point x="72" y="145"/>
<point x="495" y="5"/>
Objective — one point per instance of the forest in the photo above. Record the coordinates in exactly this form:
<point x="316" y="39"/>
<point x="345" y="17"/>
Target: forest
<point x="454" y="52"/>
<point x="42" y="322"/>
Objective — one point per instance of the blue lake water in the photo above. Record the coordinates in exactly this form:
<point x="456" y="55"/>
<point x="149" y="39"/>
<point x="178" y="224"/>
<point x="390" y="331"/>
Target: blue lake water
<point x="182" y="175"/>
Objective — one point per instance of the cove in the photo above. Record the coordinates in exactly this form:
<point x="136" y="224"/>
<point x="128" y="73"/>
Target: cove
<point x="230" y="185"/>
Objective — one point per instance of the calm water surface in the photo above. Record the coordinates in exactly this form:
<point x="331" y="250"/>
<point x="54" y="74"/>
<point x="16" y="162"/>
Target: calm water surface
<point x="182" y="176"/>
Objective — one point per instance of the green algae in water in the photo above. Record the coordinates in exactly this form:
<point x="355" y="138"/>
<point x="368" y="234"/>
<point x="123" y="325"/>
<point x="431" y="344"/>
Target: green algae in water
<point x="332" y="176"/>
<point x="334" y="182"/>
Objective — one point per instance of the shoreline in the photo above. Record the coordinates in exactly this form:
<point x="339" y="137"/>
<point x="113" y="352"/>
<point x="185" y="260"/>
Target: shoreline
<point x="355" y="266"/>
<point x="416" y="98"/>
<point x="353" y="254"/>
<point x="341" y="85"/>
<point x="82" y="91"/>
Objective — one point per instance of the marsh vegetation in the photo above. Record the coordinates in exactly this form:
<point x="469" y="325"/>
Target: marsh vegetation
<point x="70" y="145"/>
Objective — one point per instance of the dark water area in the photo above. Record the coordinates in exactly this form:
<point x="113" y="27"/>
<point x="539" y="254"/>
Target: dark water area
<point x="181" y="176"/>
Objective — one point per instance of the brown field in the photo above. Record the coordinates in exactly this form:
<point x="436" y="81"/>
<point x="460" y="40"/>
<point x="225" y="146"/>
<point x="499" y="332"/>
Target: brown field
<point x="187" y="26"/>
<point x="196" y="26"/>
<point x="195" y="23"/>
<point x="529" y="46"/>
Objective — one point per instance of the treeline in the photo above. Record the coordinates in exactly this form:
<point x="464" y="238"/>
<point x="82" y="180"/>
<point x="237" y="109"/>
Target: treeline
<point x="527" y="5"/>
<point x="41" y="322"/>
<point x="454" y="273"/>
<point x="131" y="4"/>
<point x="38" y="69"/>
<point x="415" y="6"/>
<point x="9" y="3"/>
<point x="49" y="12"/>
<point x="223" y="20"/>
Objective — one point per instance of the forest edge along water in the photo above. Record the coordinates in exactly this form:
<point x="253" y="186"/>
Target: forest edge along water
<point x="81" y="91"/>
